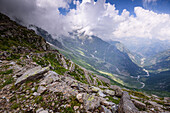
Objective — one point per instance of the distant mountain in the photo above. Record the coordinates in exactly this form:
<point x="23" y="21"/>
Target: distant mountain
<point x="146" y="47"/>
<point x="159" y="62"/>
<point x="92" y="52"/>
<point x="136" y="58"/>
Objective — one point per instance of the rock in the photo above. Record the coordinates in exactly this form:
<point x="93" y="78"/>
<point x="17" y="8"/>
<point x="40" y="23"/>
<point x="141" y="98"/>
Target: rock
<point x="117" y="89"/>
<point x="44" y="111"/>
<point x="106" y="103"/>
<point x="41" y="89"/>
<point x="76" y="108"/>
<point x="103" y="87"/>
<point x="91" y="102"/>
<point x="154" y="104"/>
<point x="80" y="97"/>
<point x="139" y="104"/>
<point x="64" y="62"/>
<point x="62" y="87"/>
<point x="134" y="97"/>
<point x="36" y="94"/>
<point x="75" y="85"/>
<point x="114" y="108"/>
<point x="105" y="110"/>
<point x="33" y="89"/>
<point x="53" y="104"/>
<point x="115" y="98"/>
<point x="109" y="92"/>
<point x="32" y="74"/>
<point x="95" y="89"/>
<point x="167" y="99"/>
<point x="126" y="105"/>
<point x="100" y="93"/>
<point x="40" y="109"/>
<point x="50" y="77"/>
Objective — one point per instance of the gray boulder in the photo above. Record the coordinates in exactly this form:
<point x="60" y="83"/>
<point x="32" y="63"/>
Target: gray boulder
<point x="139" y="104"/>
<point x="90" y="102"/>
<point x="101" y="94"/>
<point x="126" y="105"/>
<point x="105" y="110"/>
<point x="32" y="74"/>
<point x="41" y="89"/>
<point x="117" y="89"/>
<point x="49" y="78"/>
<point x="109" y="92"/>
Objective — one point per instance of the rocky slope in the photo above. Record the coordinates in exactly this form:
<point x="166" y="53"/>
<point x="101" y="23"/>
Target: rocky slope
<point x="34" y="78"/>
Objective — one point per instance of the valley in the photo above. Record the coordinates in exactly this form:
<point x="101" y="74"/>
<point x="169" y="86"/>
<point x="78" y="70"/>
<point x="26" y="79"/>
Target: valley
<point x="87" y="53"/>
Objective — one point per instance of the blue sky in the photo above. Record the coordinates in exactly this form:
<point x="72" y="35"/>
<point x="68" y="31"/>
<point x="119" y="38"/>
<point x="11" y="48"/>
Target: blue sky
<point x="160" y="6"/>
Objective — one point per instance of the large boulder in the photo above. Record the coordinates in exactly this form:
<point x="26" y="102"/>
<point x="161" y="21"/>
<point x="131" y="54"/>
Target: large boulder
<point x="139" y="104"/>
<point x="95" y="89"/>
<point x="109" y="92"/>
<point x="32" y="74"/>
<point x="126" y="105"/>
<point x="49" y="78"/>
<point x="101" y="94"/>
<point x="105" y="110"/>
<point x="90" y="102"/>
<point x="118" y="90"/>
<point x="41" y="89"/>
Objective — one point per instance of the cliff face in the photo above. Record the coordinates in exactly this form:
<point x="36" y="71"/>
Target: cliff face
<point x="34" y="78"/>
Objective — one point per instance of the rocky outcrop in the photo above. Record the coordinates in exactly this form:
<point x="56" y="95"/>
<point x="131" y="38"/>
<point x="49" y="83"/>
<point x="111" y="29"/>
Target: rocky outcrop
<point x="126" y="105"/>
<point x="139" y="104"/>
<point x="32" y="74"/>
<point x="118" y="91"/>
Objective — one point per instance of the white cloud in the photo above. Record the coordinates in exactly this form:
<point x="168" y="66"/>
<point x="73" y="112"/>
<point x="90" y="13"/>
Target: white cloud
<point x="146" y="24"/>
<point x="102" y="19"/>
<point x="97" y="18"/>
<point x="43" y="13"/>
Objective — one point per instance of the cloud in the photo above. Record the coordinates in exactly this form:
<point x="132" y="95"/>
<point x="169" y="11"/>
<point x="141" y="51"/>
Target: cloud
<point x="102" y="19"/>
<point x="146" y="24"/>
<point x="147" y="3"/>
<point x="95" y="18"/>
<point x="43" y="13"/>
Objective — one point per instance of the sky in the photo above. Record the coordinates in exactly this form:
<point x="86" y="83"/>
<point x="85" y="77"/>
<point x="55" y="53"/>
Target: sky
<point x="107" y="19"/>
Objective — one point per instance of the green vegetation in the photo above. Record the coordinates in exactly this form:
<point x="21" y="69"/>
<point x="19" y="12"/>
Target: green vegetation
<point x="51" y="58"/>
<point x="38" y="99"/>
<point x="137" y="94"/>
<point x="40" y="61"/>
<point x="98" y="82"/>
<point x="116" y="101"/>
<point x="6" y="77"/>
<point x="7" y="72"/>
<point x="15" y="106"/>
